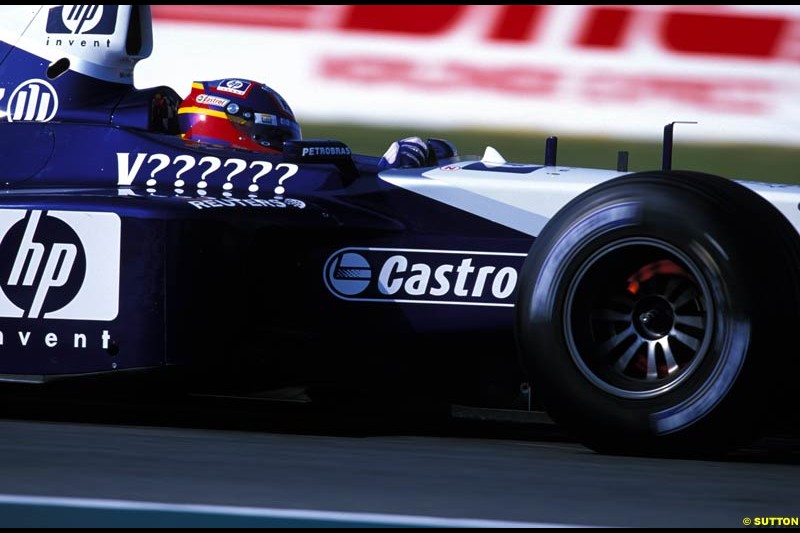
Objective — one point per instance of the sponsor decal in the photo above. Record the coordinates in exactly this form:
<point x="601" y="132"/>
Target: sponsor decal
<point x="207" y="99"/>
<point x="33" y="100"/>
<point x="200" y="171"/>
<point x="51" y="340"/>
<point x="237" y="87"/>
<point x="423" y="276"/>
<point x="207" y="203"/>
<point x="59" y="264"/>
<point x="321" y="151"/>
<point x="309" y="151"/>
<point x="81" y="20"/>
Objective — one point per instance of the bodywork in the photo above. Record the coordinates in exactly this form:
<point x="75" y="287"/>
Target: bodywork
<point x="125" y="248"/>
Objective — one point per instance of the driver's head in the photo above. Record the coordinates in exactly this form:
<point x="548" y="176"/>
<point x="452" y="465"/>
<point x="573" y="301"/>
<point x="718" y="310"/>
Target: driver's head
<point x="237" y="113"/>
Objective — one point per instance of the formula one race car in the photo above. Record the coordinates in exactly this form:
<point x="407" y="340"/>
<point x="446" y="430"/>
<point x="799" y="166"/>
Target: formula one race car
<point x="647" y="312"/>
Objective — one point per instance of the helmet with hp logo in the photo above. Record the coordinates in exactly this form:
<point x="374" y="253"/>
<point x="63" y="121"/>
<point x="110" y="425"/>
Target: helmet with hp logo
<point x="237" y="113"/>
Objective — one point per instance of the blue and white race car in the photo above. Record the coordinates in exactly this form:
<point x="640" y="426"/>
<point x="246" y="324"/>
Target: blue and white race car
<point x="646" y="312"/>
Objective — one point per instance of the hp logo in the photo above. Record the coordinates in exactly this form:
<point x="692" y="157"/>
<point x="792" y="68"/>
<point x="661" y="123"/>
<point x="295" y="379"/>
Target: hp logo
<point x="234" y="86"/>
<point x="82" y="19"/>
<point x="39" y="273"/>
<point x="59" y="264"/>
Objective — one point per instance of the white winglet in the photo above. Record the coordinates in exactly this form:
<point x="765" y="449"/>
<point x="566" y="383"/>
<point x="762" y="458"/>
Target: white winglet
<point x="492" y="156"/>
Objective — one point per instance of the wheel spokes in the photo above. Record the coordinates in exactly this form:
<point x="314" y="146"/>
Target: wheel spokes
<point x="638" y="335"/>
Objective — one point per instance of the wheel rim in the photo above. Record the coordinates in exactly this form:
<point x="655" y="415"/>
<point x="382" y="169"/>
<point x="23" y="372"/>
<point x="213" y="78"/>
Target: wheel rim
<point x="638" y="318"/>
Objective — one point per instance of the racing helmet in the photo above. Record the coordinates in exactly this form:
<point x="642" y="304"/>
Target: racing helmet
<point x="237" y="113"/>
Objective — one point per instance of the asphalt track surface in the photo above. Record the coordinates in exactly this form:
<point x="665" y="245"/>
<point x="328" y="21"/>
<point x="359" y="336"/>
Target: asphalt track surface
<point x="221" y="463"/>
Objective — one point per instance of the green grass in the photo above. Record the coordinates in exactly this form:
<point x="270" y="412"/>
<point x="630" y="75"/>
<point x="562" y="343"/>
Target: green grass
<point x="779" y="164"/>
